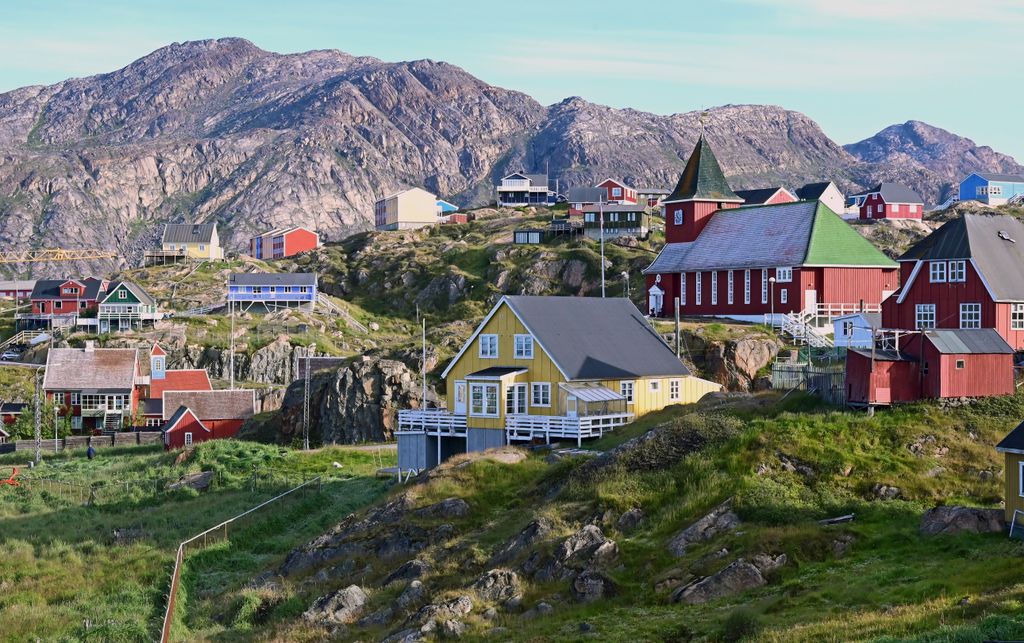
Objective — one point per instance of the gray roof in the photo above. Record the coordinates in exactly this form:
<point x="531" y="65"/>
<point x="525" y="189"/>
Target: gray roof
<point x="99" y="369"/>
<point x="593" y="338"/>
<point x="137" y="290"/>
<point x="1014" y="441"/>
<point x="586" y="195"/>
<point x="17" y="284"/>
<point x="665" y="191"/>
<point x="896" y="193"/>
<point x="1005" y="178"/>
<point x="812" y="191"/>
<point x="535" y="179"/>
<point x="883" y="355"/>
<point x="237" y="404"/>
<point x="757" y="196"/>
<point x="977" y="341"/>
<point x="272" y="279"/>
<point x="50" y="288"/>
<point x="981" y="237"/>
<point x="614" y="207"/>
<point x="874" y="320"/>
<point x="188" y="232"/>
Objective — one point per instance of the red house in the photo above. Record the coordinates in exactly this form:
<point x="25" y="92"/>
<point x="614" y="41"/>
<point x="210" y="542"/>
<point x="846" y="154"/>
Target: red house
<point x="162" y="379"/>
<point x="9" y="412"/>
<point x="283" y="242"/>
<point x="17" y="289"/>
<point x="184" y="429"/>
<point x="724" y="260"/>
<point x="890" y="201"/>
<point x="617" y="192"/>
<point x="66" y="297"/>
<point x="967" y="274"/>
<point x="98" y="388"/>
<point x="931" y="364"/>
<point x="766" y="196"/>
<point x="222" y="413"/>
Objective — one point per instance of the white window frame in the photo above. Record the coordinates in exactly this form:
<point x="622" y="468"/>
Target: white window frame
<point x="682" y="289"/>
<point x="540" y="391"/>
<point x="654" y="386"/>
<point x="674" y="390"/>
<point x="960" y="364"/>
<point x="697" y="289"/>
<point x="626" y="389"/>
<point x="924" y="316"/>
<point x="517" y="399"/>
<point x="783" y="275"/>
<point x="714" y="287"/>
<point x="58" y="399"/>
<point x="1016" y="316"/>
<point x="937" y="272"/>
<point x="188" y="439"/>
<point x="523" y="347"/>
<point x="783" y="295"/>
<point x="485" y="342"/>
<point x="589" y="217"/>
<point x="746" y="286"/>
<point x="75" y="399"/>
<point x="729" y="288"/>
<point x="871" y="212"/>
<point x="764" y="285"/>
<point x="1020" y="479"/>
<point x="995" y="190"/>
<point x="76" y="423"/>
<point x="677" y="217"/>
<point x="970" y="316"/>
<point x="616" y="192"/>
<point x="957" y="271"/>
<point x="484" y="387"/>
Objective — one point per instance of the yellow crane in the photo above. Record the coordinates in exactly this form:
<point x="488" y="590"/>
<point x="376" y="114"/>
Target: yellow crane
<point x="45" y="255"/>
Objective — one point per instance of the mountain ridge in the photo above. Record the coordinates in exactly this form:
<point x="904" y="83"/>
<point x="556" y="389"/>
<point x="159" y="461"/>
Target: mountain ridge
<point x="222" y="130"/>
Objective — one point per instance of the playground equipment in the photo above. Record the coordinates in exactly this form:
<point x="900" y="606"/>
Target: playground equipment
<point x="12" y="481"/>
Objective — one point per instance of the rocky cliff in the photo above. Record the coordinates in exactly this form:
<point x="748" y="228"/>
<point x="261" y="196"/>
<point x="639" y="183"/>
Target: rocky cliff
<point x="220" y="130"/>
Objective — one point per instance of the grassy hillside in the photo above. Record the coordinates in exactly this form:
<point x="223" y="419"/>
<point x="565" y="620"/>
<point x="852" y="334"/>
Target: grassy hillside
<point x="786" y="464"/>
<point x="63" y="565"/>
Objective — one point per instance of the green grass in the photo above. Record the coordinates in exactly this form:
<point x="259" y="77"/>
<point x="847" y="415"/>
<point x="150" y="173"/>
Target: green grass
<point x="61" y="565"/>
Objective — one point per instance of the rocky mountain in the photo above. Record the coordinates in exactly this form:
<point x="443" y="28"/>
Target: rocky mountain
<point x="220" y="130"/>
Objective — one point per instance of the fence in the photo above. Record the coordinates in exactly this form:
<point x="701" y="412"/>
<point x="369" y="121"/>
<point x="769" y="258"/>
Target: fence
<point x="214" y="534"/>
<point x="827" y="381"/>
<point x="125" y="438"/>
<point x="103" y="491"/>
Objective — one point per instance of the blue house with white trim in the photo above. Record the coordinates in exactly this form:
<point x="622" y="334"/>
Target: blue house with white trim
<point x="992" y="188"/>
<point x="856" y="330"/>
<point x="272" y="291"/>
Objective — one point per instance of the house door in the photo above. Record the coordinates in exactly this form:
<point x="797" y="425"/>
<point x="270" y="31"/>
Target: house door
<point x="460" y="398"/>
<point x="570" y="406"/>
<point x="811" y="300"/>
<point x="655" y="300"/>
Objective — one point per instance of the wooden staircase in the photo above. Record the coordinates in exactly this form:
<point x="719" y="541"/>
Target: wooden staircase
<point x="798" y="327"/>
<point x="24" y="337"/>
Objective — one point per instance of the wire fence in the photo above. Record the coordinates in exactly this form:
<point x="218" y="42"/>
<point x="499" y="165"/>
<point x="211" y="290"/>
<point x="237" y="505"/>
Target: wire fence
<point x="216" y="534"/>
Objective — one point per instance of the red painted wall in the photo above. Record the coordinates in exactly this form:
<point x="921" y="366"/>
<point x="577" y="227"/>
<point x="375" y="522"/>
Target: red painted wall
<point x="782" y="196"/>
<point x="981" y="376"/>
<point x="883" y="210"/>
<point x="628" y="194"/>
<point x="696" y="215"/>
<point x="854" y="285"/>
<point x="888" y="382"/>
<point x="298" y="241"/>
<point x="175" y="439"/>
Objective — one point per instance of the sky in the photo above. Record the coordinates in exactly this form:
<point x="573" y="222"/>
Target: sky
<point x="854" y="66"/>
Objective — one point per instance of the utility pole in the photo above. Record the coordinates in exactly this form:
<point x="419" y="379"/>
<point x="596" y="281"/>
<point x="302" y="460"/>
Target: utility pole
<point x="600" y="208"/>
<point x="231" y="306"/>
<point x="38" y="417"/>
<point x="678" y="334"/>
<point x="56" y="446"/>
<point x="305" y="396"/>
<point x="423" y="366"/>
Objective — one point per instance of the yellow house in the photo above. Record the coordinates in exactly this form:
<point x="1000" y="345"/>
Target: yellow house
<point x="1012" y="448"/>
<point x="543" y="368"/>
<point x="194" y="241"/>
<point x="406" y="210"/>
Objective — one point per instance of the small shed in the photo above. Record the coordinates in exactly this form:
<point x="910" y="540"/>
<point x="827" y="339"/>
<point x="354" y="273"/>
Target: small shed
<point x="856" y="330"/>
<point x="1012" y="448"/>
<point x="529" y="236"/>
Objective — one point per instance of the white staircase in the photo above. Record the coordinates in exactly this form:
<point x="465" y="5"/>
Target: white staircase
<point x="112" y="421"/>
<point x="1016" y="199"/>
<point x="799" y="328"/>
<point x="332" y="308"/>
<point x="947" y="203"/>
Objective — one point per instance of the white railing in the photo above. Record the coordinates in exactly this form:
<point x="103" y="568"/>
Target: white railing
<point x="440" y="422"/>
<point x="831" y="311"/>
<point x="799" y="328"/>
<point x="530" y="427"/>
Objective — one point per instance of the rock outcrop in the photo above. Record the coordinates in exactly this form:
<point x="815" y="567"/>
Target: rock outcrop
<point x="739" y="576"/>
<point x="719" y="520"/>
<point x="341" y="607"/>
<point x="949" y="520"/>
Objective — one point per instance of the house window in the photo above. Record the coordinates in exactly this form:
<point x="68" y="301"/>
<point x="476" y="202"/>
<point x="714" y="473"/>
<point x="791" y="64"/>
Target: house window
<point x="631" y="216"/>
<point x="924" y="369"/>
<point x="489" y="346"/>
<point x="524" y="347"/>
<point x="924" y="316"/>
<point x="894" y="208"/>
<point x="483" y="400"/>
<point x="626" y="390"/>
<point x="728" y="287"/>
<point x="678" y="217"/>
<point x="784" y="296"/>
<point x="540" y="394"/>
<point x="257" y="290"/>
<point x="57" y="305"/>
<point x="970" y="315"/>
<point x="996" y="190"/>
<point x="614" y="216"/>
<point x="937" y="272"/>
<point x="746" y="286"/>
<point x="654" y="386"/>
<point x="673" y="390"/>
<point x="714" y="288"/>
<point x="76" y="422"/>
<point x="122" y="294"/>
<point x="58" y="399"/>
<point x="1020" y="479"/>
<point x="1017" y="317"/>
<point x="515" y="399"/>
<point x="957" y="271"/>
<point x="589" y="217"/>
<point x="74" y="399"/>
<point x="913" y="209"/>
<point x="783" y="275"/>
<point x="616" y="191"/>
<point x="961" y="364"/>
<point x="764" y="286"/>
<point x="682" y="289"/>
<point x="870" y="212"/>
<point x="188" y="439"/>
<point x="847" y="329"/>
<point x="697" y="293"/>
<point x="202" y="247"/>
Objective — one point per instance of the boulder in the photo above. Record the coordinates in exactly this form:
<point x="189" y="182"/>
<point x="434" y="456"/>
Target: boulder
<point x="540" y="609"/>
<point x="497" y="585"/>
<point x="592" y="585"/>
<point x="199" y="481"/>
<point x="410" y="596"/>
<point x="409" y="635"/>
<point x="948" y="520"/>
<point x="589" y="544"/>
<point x="719" y="520"/>
<point x="414" y="568"/>
<point x="886" y="492"/>
<point x="536" y="531"/>
<point x="341" y="607"/>
<point x="630" y="520"/>
<point x="453" y="629"/>
<point x="447" y="508"/>
<point x="430" y="615"/>
<point x="738" y="576"/>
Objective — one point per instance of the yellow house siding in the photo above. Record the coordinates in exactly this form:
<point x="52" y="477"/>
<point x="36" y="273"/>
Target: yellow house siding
<point x="1011" y="474"/>
<point x="645" y="401"/>
<point x="209" y="251"/>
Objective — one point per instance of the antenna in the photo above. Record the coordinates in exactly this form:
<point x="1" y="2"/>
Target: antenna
<point x="305" y="397"/>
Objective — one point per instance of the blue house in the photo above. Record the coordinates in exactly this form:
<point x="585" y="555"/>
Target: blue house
<point x="992" y="188"/>
<point x="272" y="291"/>
<point x="856" y="330"/>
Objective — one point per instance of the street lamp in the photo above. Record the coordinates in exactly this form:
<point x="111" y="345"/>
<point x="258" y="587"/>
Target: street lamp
<point x="625" y="280"/>
<point x="771" y="280"/>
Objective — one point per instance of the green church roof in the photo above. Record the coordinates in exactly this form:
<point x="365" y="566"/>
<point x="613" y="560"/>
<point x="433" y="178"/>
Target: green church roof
<point x="834" y="242"/>
<point x="702" y="178"/>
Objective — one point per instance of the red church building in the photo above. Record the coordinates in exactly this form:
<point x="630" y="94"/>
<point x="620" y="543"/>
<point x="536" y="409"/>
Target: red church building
<point x="968" y="274"/>
<point x="721" y="259"/>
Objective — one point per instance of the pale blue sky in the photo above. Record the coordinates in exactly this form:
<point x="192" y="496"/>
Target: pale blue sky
<point x="855" y="66"/>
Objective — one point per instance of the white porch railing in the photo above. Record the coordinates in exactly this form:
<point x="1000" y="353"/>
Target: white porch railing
<point x="439" y="422"/>
<point x="529" y="427"/>
<point x="831" y="311"/>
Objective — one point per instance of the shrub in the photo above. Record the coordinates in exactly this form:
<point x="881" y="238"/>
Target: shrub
<point x="741" y="623"/>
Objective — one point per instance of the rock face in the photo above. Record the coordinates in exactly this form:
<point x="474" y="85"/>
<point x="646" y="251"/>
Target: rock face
<point x="343" y="606"/>
<point x="732" y="363"/>
<point x="220" y="130"/>
<point x="948" y="520"/>
<point x="719" y="520"/>
<point x="738" y="576"/>
<point x="497" y="585"/>
<point x="355" y="403"/>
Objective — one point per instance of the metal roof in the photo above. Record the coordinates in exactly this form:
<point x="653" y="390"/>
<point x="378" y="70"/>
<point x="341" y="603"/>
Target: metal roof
<point x="1003" y="178"/>
<point x="137" y="290"/>
<point x="586" y="195"/>
<point x="614" y="207"/>
<point x="895" y="193"/>
<point x="50" y="288"/>
<point x="188" y="232"/>
<point x="99" y="369"/>
<point x="874" y="320"/>
<point x="994" y="242"/>
<point x="496" y="372"/>
<point x="757" y="196"/>
<point x="272" y="279"/>
<point x="976" y="341"/>
<point x="883" y="355"/>
<point x="702" y="178"/>
<point x="812" y="191"/>
<point x="593" y="338"/>
<point x="586" y="392"/>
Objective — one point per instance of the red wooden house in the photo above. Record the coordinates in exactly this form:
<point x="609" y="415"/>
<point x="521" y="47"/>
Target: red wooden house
<point x="766" y="196"/>
<point x="9" y="412"/>
<point x="931" y="364"/>
<point x="745" y="262"/>
<point x="163" y="379"/>
<point x="967" y="274"/>
<point x="283" y="242"/>
<point x="16" y="289"/>
<point x="221" y="413"/>
<point x="98" y="388"/>
<point x="67" y="297"/>
<point x="890" y="201"/>
<point x="618" y="192"/>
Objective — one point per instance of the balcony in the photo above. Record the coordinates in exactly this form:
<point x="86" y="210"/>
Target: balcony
<point x="518" y="428"/>
<point x="436" y="422"/>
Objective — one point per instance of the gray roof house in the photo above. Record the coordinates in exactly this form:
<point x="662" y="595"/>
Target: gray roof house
<point x="272" y="290"/>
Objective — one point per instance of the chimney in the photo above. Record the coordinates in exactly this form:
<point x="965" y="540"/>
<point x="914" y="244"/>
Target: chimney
<point x="90" y="346"/>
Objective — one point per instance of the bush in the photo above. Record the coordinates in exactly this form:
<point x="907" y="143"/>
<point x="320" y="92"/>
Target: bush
<point x="741" y="623"/>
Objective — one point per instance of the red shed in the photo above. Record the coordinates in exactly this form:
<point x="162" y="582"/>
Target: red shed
<point x="184" y="429"/>
<point x="222" y="412"/>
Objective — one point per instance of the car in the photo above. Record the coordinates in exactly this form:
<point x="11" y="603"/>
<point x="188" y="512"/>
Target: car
<point x="9" y="356"/>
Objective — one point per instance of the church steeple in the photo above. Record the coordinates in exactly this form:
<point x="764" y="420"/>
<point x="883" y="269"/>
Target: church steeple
<point x="157" y="363"/>
<point x="701" y="190"/>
